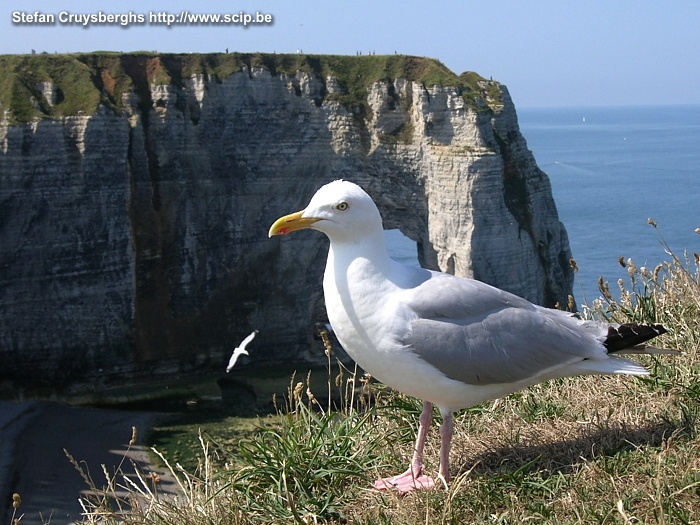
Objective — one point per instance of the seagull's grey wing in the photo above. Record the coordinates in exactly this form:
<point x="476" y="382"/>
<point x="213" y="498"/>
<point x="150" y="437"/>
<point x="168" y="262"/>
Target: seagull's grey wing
<point x="447" y="296"/>
<point x="480" y="335"/>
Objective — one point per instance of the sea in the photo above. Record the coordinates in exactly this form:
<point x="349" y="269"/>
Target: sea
<point x="612" y="169"/>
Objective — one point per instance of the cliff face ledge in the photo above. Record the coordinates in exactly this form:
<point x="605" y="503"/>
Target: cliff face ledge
<point x="134" y="236"/>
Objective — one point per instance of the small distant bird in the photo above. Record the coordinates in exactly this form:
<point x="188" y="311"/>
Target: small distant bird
<point x="240" y="350"/>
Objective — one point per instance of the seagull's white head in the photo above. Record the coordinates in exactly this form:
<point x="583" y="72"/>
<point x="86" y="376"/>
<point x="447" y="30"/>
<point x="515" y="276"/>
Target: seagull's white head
<point x="341" y="209"/>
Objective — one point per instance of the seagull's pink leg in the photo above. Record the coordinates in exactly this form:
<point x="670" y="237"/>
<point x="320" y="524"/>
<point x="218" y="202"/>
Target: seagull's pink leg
<point x="445" y="443"/>
<point x="412" y="478"/>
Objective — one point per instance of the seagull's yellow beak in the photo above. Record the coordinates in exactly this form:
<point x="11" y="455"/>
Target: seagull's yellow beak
<point x="291" y="223"/>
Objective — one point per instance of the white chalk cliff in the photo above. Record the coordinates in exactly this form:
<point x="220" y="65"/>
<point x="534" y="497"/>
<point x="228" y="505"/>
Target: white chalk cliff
<point x="134" y="229"/>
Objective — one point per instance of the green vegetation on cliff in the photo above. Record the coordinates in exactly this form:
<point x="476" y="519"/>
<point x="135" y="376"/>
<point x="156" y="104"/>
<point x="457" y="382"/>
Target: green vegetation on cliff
<point x="81" y="82"/>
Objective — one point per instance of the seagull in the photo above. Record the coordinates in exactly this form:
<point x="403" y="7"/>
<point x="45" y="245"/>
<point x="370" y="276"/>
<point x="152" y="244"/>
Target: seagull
<point x="240" y="349"/>
<point x="448" y="341"/>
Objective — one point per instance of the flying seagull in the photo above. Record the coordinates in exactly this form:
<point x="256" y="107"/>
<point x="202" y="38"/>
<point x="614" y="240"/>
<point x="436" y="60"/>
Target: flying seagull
<point x="449" y="341"/>
<point x="240" y="349"/>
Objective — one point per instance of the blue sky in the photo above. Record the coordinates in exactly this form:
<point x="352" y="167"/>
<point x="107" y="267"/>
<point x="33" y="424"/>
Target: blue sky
<point x="548" y="53"/>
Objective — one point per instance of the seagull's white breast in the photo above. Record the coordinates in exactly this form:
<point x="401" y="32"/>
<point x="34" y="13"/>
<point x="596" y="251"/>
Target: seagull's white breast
<point x="369" y="316"/>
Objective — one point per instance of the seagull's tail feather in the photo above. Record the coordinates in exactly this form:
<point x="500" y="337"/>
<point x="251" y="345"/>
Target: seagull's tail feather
<point x="626" y="338"/>
<point x="620" y="365"/>
<point x="649" y="350"/>
<point x="612" y="365"/>
<point x="622" y="337"/>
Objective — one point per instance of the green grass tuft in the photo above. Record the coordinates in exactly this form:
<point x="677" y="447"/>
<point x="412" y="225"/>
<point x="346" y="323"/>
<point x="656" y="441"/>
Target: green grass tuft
<point x="307" y="463"/>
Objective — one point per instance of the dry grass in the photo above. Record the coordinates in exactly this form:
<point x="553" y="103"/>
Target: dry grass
<point x="564" y="452"/>
<point x="583" y="450"/>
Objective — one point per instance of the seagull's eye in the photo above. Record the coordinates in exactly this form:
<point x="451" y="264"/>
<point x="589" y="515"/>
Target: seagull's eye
<point x="342" y="206"/>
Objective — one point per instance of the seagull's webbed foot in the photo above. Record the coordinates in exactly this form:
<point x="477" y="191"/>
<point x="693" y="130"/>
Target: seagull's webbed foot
<point x="407" y="482"/>
<point x="413" y="479"/>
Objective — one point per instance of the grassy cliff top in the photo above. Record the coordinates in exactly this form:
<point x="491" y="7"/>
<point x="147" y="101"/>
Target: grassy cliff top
<point x="83" y="81"/>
